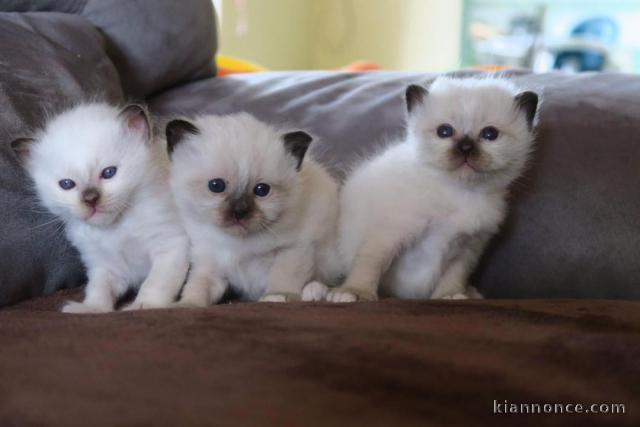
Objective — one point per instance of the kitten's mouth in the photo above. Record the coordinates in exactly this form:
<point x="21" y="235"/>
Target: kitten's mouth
<point x="90" y="212"/>
<point x="98" y="216"/>
<point x="466" y="164"/>
<point x="470" y="165"/>
<point x="93" y="211"/>
<point x="238" y="226"/>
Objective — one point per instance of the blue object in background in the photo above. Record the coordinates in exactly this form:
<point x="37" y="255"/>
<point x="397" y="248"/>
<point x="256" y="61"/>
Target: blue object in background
<point x="579" y="60"/>
<point x="601" y="31"/>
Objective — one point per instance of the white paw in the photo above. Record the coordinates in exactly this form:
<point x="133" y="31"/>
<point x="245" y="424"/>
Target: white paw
<point x="75" y="307"/>
<point x="473" y="293"/>
<point x="216" y="293"/>
<point x="314" y="291"/>
<point x="145" y="304"/>
<point x="458" y="295"/>
<point x="339" y="295"/>
<point x="274" y="298"/>
<point x="350" y="295"/>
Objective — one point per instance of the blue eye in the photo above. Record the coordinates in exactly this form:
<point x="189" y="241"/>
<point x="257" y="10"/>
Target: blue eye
<point x="445" y="131"/>
<point x="262" y="189"/>
<point x="489" y="133"/>
<point x="109" y="172"/>
<point x="217" y="185"/>
<point x="66" y="184"/>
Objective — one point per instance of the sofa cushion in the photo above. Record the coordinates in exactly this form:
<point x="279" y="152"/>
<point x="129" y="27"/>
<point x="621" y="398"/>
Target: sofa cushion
<point x="154" y="44"/>
<point x="47" y="62"/>
<point x="573" y="229"/>
<point x="157" y="44"/>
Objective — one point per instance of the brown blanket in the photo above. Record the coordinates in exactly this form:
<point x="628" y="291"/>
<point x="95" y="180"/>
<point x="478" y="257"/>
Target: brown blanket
<point x="388" y="363"/>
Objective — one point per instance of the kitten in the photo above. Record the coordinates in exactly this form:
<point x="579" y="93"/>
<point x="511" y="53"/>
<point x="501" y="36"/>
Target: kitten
<point x="415" y="219"/>
<point x="100" y="170"/>
<point x="261" y="216"/>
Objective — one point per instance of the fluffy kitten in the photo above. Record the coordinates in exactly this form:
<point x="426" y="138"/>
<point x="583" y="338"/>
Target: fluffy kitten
<point x="415" y="219"/>
<point x="100" y="170"/>
<point x="261" y="216"/>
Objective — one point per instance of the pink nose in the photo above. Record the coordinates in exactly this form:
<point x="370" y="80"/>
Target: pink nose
<point x="91" y="197"/>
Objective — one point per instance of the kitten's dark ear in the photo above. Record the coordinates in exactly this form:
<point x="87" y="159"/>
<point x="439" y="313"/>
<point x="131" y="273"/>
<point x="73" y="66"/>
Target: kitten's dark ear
<point x="527" y="102"/>
<point x="136" y="119"/>
<point x="176" y="131"/>
<point x="297" y="144"/>
<point x="414" y="95"/>
<point x="22" y="148"/>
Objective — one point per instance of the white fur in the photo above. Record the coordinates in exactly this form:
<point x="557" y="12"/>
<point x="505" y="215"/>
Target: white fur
<point x="315" y="291"/>
<point x="414" y="220"/>
<point x="135" y="237"/>
<point x="275" y="254"/>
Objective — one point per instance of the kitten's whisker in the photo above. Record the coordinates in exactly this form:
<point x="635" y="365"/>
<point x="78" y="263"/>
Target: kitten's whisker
<point x="45" y="224"/>
<point x="265" y="226"/>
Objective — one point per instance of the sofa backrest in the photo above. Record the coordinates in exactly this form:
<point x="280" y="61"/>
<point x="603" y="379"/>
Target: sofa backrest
<point x="154" y="44"/>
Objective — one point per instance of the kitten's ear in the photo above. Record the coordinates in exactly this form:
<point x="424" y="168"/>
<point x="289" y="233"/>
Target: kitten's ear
<point x="527" y="103"/>
<point x="297" y="144"/>
<point x="136" y="119"/>
<point x="414" y="95"/>
<point x="176" y="131"/>
<point x="22" y="148"/>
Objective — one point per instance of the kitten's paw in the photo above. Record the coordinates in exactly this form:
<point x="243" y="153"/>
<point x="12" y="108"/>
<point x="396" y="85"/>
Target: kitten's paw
<point x="75" y="307"/>
<point x="458" y="295"/>
<point x="145" y="305"/>
<point x="473" y="293"/>
<point x="314" y="291"/>
<point x="274" y="298"/>
<point x="216" y="293"/>
<point x="341" y="295"/>
<point x="469" y="293"/>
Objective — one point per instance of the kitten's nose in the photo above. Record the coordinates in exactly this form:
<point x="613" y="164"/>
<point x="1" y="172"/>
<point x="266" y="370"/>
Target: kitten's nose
<point x="90" y="197"/>
<point x="240" y="213"/>
<point x="465" y="146"/>
<point x="241" y="209"/>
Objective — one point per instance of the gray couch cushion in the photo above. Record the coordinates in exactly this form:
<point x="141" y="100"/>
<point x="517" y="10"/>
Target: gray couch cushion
<point x="157" y="44"/>
<point x="573" y="230"/>
<point x="154" y="44"/>
<point x="47" y="62"/>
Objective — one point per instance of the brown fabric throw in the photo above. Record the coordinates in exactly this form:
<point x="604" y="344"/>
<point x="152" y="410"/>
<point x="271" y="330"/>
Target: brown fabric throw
<point x="388" y="363"/>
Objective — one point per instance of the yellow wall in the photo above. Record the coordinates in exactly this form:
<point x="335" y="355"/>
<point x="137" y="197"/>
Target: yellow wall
<point x="323" y="34"/>
<point x="277" y="35"/>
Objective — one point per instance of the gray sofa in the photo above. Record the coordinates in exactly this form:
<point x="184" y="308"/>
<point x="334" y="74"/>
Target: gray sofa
<point x="573" y="233"/>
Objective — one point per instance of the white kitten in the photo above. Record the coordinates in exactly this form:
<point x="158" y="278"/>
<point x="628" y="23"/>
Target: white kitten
<point x="99" y="169"/>
<point x="415" y="219"/>
<point x="261" y="216"/>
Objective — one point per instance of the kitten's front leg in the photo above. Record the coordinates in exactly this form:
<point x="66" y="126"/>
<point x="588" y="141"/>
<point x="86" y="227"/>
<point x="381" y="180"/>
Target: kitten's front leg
<point x="454" y="282"/>
<point x="362" y="282"/>
<point x="202" y="289"/>
<point x="369" y="264"/>
<point x="100" y="294"/>
<point x="165" y="278"/>
<point x="291" y="270"/>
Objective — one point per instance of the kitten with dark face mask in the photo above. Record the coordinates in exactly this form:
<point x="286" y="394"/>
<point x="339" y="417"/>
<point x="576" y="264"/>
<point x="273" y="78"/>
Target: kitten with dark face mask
<point x="415" y="219"/>
<point x="99" y="169"/>
<point x="261" y="215"/>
